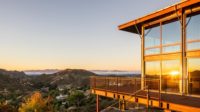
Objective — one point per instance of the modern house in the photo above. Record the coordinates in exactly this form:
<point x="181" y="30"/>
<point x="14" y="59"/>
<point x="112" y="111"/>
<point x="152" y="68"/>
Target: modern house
<point x="170" y="50"/>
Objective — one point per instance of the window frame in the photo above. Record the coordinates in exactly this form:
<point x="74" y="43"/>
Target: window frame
<point x="161" y="46"/>
<point x="193" y="40"/>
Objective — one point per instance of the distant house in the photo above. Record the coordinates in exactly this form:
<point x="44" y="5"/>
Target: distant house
<point x="61" y="97"/>
<point x="63" y="87"/>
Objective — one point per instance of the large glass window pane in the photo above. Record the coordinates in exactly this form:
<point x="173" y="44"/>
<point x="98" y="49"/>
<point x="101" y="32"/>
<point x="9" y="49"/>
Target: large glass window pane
<point x="171" y="33"/>
<point x="194" y="76"/>
<point x="152" y="51"/>
<point x="152" y="74"/>
<point x="152" y="37"/>
<point x="193" y="46"/>
<point x="170" y="75"/>
<point x="193" y="27"/>
<point x="193" y="32"/>
<point x="169" y="49"/>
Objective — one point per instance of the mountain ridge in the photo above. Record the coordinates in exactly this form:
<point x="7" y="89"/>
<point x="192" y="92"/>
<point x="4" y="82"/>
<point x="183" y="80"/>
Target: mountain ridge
<point x="18" y="80"/>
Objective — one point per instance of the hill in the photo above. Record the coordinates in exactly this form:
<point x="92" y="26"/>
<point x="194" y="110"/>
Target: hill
<point x="16" y="80"/>
<point x="73" y="77"/>
<point x="12" y="74"/>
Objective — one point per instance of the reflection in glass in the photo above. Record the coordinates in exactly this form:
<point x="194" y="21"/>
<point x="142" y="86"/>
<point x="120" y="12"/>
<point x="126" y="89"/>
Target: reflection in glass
<point x="193" y="28"/>
<point x="152" y="51"/>
<point x="193" y="32"/>
<point x="170" y="75"/>
<point x="194" y="76"/>
<point x="171" y="33"/>
<point x="193" y="46"/>
<point x="152" y="37"/>
<point x="169" y="49"/>
<point x="152" y="74"/>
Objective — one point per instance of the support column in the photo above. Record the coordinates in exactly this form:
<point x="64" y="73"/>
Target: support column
<point x="184" y="59"/>
<point x="97" y="103"/>
<point x="119" y="104"/>
<point x="122" y="105"/>
<point x="142" y="60"/>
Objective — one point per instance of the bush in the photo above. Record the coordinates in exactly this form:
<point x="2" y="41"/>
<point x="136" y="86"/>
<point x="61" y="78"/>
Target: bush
<point x="36" y="104"/>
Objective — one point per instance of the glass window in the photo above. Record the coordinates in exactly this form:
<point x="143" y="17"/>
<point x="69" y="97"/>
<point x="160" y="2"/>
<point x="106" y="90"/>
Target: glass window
<point x="194" y="76"/>
<point x="193" y="32"/>
<point x="169" y="49"/>
<point x="193" y="46"/>
<point x="193" y="27"/>
<point x="170" y="75"/>
<point x="152" y="51"/>
<point x="152" y="37"/>
<point x="152" y="71"/>
<point x="171" y="33"/>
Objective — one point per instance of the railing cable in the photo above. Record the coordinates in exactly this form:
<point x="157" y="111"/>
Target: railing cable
<point x="131" y="96"/>
<point x="111" y="105"/>
<point x="134" y="94"/>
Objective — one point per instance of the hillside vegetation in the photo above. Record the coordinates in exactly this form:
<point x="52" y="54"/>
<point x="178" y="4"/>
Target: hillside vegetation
<point x="66" y="90"/>
<point x="15" y="80"/>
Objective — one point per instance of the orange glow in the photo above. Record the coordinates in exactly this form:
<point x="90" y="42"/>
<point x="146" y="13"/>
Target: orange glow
<point x="174" y="73"/>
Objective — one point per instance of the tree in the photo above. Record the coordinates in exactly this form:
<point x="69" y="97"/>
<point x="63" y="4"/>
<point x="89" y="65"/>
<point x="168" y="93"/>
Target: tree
<point x="76" y="98"/>
<point x="36" y="104"/>
<point x="4" y="107"/>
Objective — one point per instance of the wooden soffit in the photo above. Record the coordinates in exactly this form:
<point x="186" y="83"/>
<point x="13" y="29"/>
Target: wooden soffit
<point x="135" y="26"/>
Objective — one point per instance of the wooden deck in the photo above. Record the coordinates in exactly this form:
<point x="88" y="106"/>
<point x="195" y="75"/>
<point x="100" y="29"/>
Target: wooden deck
<point x="171" y="102"/>
<point x="129" y="89"/>
<point x="173" y="98"/>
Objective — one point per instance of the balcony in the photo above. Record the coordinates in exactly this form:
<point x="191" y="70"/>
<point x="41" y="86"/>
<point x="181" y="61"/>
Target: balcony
<point x="126" y="85"/>
<point x="130" y="89"/>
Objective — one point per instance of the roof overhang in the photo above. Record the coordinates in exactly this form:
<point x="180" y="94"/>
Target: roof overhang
<point x="135" y="25"/>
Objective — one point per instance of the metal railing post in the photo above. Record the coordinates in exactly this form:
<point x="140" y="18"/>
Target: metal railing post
<point x="97" y="103"/>
<point x="117" y="85"/>
<point x="95" y="82"/>
<point x="105" y="83"/>
<point x="135" y="85"/>
<point x="147" y="96"/>
<point x="159" y="92"/>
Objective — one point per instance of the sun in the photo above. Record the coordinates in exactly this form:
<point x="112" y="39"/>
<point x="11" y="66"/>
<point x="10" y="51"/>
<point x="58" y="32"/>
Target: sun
<point x="174" y="73"/>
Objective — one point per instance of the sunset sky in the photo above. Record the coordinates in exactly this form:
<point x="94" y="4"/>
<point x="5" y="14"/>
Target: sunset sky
<point x="59" y="34"/>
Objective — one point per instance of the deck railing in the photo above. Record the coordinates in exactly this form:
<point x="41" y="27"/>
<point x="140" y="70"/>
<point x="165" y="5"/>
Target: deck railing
<point x="126" y="85"/>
